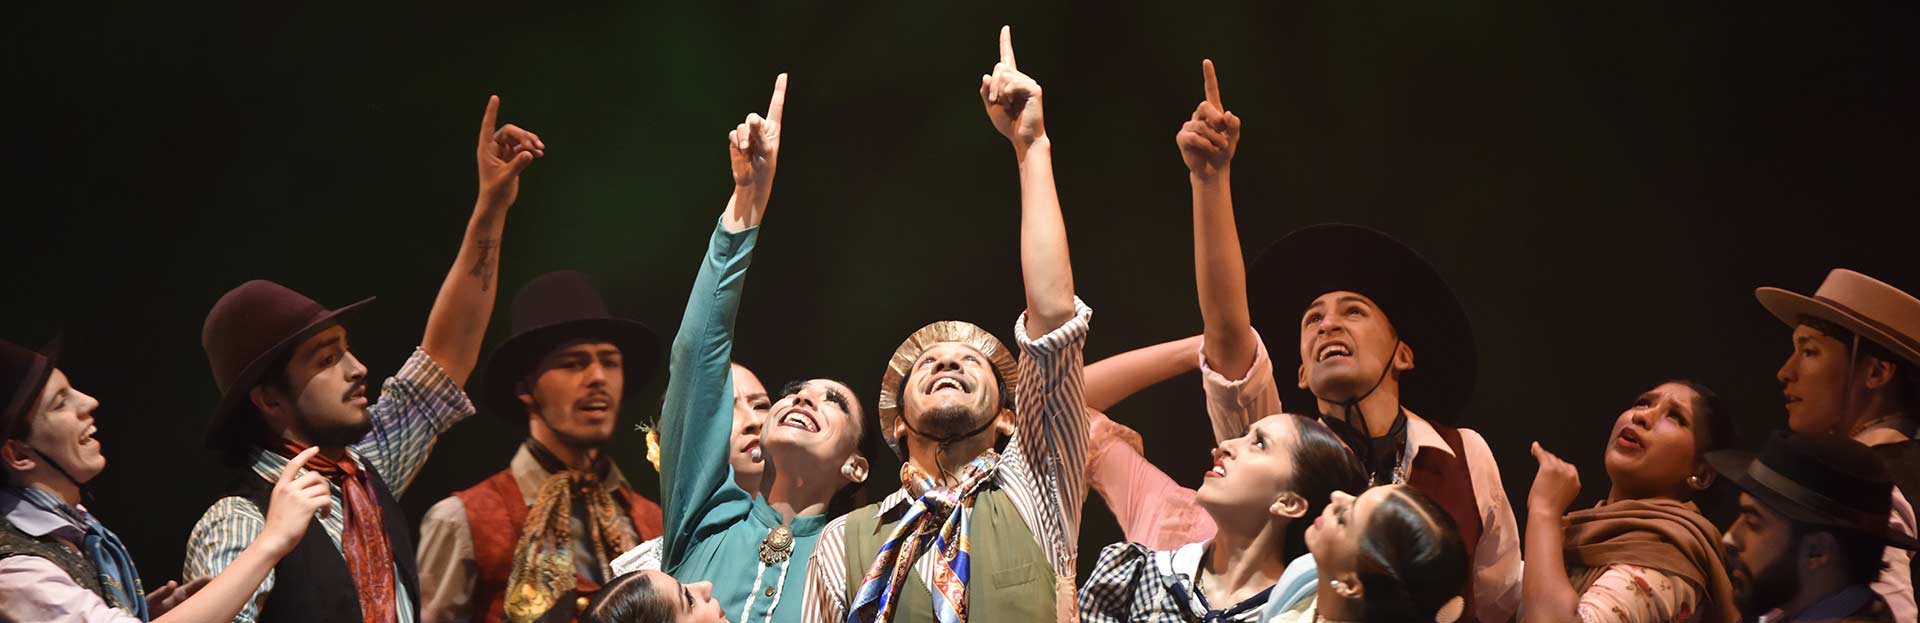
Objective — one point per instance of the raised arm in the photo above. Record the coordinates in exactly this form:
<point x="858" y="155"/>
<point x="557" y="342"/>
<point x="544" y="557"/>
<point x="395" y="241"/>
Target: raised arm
<point x="1207" y="142"/>
<point x="696" y="421"/>
<point x="1013" y="103"/>
<point x="465" y="303"/>
<point x="1547" y="593"/>
<point x="1113" y="379"/>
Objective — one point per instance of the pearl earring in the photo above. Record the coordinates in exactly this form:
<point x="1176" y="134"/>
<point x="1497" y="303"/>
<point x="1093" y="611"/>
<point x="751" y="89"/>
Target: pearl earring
<point x="847" y="470"/>
<point x="1338" y="585"/>
<point x="754" y="454"/>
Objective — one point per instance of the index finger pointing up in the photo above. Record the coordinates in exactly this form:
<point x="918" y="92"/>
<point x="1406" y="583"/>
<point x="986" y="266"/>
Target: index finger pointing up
<point x="1213" y="85"/>
<point x="779" y="101"/>
<point x="1006" y="46"/>
<point x="300" y="460"/>
<point x="487" y="120"/>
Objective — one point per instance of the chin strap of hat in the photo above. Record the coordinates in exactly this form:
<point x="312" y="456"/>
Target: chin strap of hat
<point x="1353" y="423"/>
<point x="940" y="443"/>
<point x="86" y="493"/>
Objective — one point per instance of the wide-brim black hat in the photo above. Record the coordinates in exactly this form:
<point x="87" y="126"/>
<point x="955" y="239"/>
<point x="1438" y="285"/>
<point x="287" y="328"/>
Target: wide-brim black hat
<point x="1823" y="480"/>
<point x="249" y="329"/>
<point x="551" y="310"/>
<point x="1425" y="314"/>
<point x="23" y="375"/>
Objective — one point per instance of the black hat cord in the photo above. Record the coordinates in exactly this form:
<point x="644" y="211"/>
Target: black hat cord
<point x="1356" y="434"/>
<point x="940" y="443"/>
<point x="86" y="492"/>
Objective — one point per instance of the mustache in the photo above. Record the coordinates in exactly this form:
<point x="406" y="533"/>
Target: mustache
<point x="357" y="388"/>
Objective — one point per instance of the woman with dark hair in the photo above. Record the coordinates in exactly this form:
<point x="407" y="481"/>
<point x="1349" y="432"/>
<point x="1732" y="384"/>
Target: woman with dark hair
<point x="1261" y="489"/>
<point x="1391" y="554"/>
<point x="1645" y="553"/>
<point x="653" y="597"/>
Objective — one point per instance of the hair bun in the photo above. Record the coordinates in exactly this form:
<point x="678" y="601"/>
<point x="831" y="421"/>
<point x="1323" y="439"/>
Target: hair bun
<point x="1450" y="611"/>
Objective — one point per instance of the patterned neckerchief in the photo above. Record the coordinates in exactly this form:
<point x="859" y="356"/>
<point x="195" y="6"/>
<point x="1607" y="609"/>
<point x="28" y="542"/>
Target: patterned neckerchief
<point x="112" y="564"/>
<point x="942" y="515"/>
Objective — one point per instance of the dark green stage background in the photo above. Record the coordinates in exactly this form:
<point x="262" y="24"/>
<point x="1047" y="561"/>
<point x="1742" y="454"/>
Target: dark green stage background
<point x="1604" y="186"/>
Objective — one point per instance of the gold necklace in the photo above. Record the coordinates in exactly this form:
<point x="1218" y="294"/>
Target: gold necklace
<point x="778" y="546"/>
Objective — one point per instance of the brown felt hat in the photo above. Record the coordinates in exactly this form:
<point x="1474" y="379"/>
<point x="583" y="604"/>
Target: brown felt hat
<point x="247" y="330"/>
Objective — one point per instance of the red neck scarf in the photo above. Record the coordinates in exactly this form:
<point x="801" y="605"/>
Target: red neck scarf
<point x="364" y="539"/>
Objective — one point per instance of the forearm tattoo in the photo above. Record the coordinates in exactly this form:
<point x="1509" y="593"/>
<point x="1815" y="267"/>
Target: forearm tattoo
<point x="483" y="265"/>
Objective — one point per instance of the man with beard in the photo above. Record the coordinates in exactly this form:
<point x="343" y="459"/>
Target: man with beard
<point x="752" y="546"/>
<point x="1855" y="372"/>
<point x="289" y="382"/>
<point x="60" y="563"/>
<point x="979" y="530"/>
<point x="501" y="549"/>
<point x="1379" y="334"/>
<point x="1812" y="524"/>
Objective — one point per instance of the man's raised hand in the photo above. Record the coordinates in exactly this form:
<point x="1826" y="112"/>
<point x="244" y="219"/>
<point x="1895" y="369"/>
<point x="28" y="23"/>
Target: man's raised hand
<point x="754" y="147"/>
<point x="1208" y="139"/>
<point x="502" y="154"/>
<point x="1012" y="98"/>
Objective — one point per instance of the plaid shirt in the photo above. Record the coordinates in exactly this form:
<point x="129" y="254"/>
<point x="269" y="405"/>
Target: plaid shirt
<point x="415" y="406"/>
<point x="1134" y="583"/>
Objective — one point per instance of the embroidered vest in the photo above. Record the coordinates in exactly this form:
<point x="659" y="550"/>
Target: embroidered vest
<point x="312" y="582"/>
<point x="496" y="515"/>
<point x="13" y="542"/>
<point x="1448" y="481"/>
<point x="1011" y="578"/>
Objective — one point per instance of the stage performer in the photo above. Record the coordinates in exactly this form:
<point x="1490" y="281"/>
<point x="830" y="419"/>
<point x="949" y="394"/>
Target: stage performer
<point x="744" y="455"/>
<point x="1391" y="555"/>
<point x="57" y="561"/>
<point x="752" y="548"/>
<point x="979" y="531"/>
<point x="1262" y="492"/>
<point x="1645" y="554"/>
<point x="1813" y="523"/>
<point x="536" y="539"/>
<point x="1361" y="305"/>
<point x="289" y="382"/>
<point x="1855" y="372"/>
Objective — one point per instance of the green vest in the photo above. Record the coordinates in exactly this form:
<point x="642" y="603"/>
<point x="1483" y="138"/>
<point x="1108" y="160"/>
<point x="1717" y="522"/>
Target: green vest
<point x="1011" y="579"/>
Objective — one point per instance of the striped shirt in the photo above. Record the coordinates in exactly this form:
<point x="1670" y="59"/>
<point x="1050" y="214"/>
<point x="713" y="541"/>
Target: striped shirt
<point x="415" y="407"/>
<point x="1043" y="470"/>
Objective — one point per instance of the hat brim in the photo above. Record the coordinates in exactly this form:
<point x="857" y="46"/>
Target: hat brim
<point x="1790" y="307"/>
<point x="1732" y="465"/>
<point x="510" y="363"/>
<point x="220" y="432"/>
<point x="1425" y="314"/>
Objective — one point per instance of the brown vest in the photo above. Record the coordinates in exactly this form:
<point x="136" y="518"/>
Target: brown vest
<point x="1447" y="480"/>
<point x="496" y="515"/>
